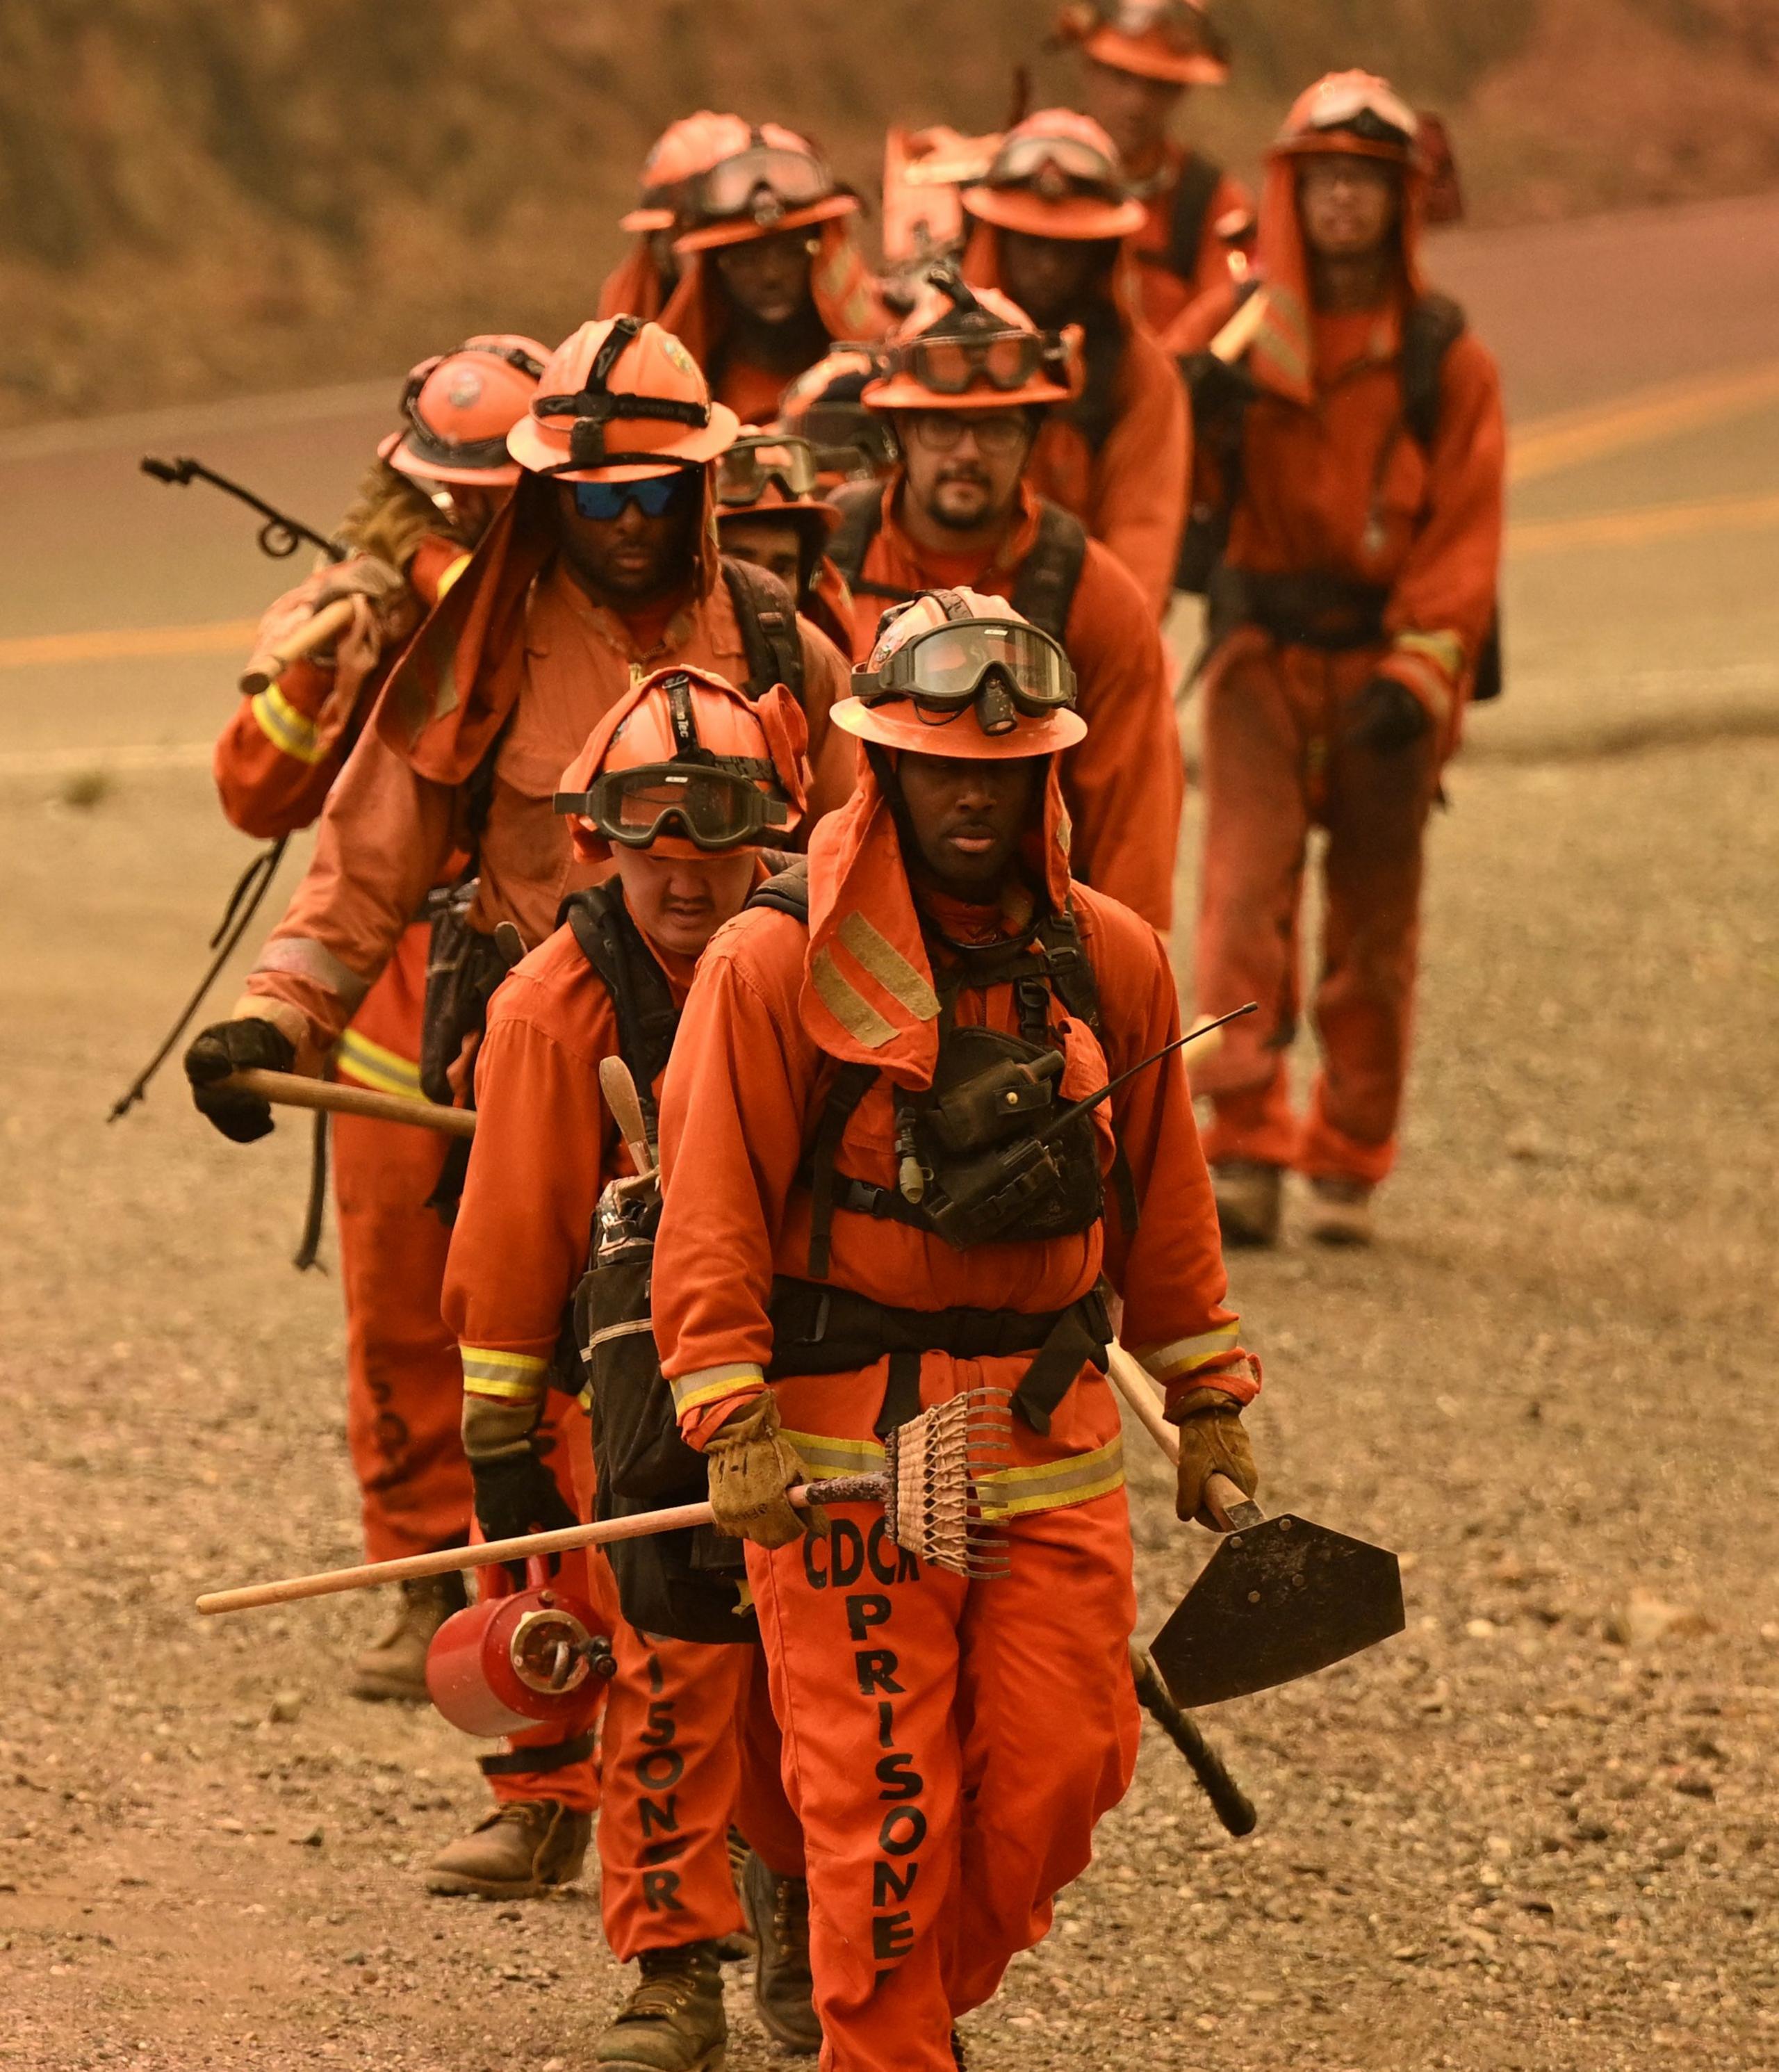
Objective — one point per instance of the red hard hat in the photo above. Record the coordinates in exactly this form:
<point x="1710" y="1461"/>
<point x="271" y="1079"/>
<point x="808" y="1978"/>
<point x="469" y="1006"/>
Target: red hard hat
<point x="620" y="400"/>
<point x="1166" y="39"/>
<point x="695" y="721"/>
<point x="1057" y="174"/>
<point x="964" y="348"/>
<point x="684" y="149"/>
<point x="769" y="179"/>
<point x="894" y="716"/>
<point x="459" y="408"/>
<point x="1349" y="111"/>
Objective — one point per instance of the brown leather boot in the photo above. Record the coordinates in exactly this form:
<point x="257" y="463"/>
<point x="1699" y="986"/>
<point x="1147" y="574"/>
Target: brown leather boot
<point x="520" y="1852"/>
<point x="395" y="1665"/>
<point x="1340" y="1212"/>
<point x="674" y="2021"/>
<point x="777" y="1910"/>
<point x="1248" y="1195"/>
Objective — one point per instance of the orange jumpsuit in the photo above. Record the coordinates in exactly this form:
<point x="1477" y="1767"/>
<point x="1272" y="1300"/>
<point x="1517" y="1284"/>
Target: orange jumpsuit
<point x="679" y="1745"/>
<point x="1166" y="294"/>
<point x="274" y="764"/>
<point x="1124" y="783"/>
<point x="1120" y="460"/>
<point x="948" y="1746"/>
<point x="1333" y="484"/>
<point x="517" y="654"/>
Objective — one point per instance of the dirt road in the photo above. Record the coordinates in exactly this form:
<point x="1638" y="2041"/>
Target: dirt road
<point x="1536" y="1834"/>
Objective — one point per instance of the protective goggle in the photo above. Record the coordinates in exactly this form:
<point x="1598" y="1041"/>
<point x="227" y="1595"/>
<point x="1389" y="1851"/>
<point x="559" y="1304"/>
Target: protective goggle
<point x="1370" y="112"/>
<point x="948" y="669"/>
<point x="1053" y="167"/>
<point x="846" y="438"/>
<point x="1003" y="359"/>
<point x="653" y="495"/>
<point x="752" y="466"/>
<point x="761" y="182"/>
<point x="715" y="807"/>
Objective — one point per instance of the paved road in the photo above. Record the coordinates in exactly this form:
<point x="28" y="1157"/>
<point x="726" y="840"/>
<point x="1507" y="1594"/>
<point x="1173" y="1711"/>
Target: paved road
<point x="1639" y="355"/>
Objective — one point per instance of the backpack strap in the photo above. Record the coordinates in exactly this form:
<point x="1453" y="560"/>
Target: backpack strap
<point x="648" y="1019"/>
<point x="1432" y="326"/>
<point x="788" y="892"/>
<point x="861" y="507"/>
<point x="767" y="613"/>
<point x="1193" y="193"/>
<point x="1051" y="572"/>
<point x="1077" y="988"/>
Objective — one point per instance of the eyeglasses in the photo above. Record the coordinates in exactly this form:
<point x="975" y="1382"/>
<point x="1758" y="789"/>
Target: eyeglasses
<point x="653" y="495"/>
<point x="1053" y="166"/>
<point x="716" y="809"/>
<point x="790" y="179"/>
<point x="752" y="466"/>
<point x="945" y="671"/>
<point x="941" y="431"/>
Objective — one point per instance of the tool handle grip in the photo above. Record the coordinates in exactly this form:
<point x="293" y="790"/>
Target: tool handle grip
<point x="1133" y="1383"/>
<point x="1230" y="1505"/>
<point x="1232" y="1805"/>
<point x="296" y="1089"/>
<point x="327" y="624"/>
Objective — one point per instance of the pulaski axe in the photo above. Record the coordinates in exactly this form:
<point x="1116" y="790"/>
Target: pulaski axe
<point x="1280" y="1598"/>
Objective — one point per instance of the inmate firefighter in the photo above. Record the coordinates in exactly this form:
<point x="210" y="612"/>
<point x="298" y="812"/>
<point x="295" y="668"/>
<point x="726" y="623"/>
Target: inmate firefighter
<point x="771" y="277"/>
<point x="1139" y="58"/>
<point x="681" y="783"/>
<point x="643" y="281"/>
<point x="770" y="511"/>
<point x="968" y="384"/>
<point x="838" y="1076"/>
<point x="1357" y="451"/>
<point x="1054" y="226"/>
<point x="431" y="494"/>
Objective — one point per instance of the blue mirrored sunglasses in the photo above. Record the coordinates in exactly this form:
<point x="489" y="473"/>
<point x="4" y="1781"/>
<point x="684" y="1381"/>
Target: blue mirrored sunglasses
<point x="653" y="495"/>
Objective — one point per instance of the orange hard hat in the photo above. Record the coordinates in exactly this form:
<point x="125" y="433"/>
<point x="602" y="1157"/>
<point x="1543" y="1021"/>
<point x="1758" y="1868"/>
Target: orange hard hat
<point x="823" y="405"/>
<point x="1057" y="174"/>
<point x="620" y="400"/>
<point x="955" y="673"/>
<point x="685" y="748"/>
<point x="1174" y="40"/>
<point x="965" y="348"/>
<point x="459" y="407"/>
<point x="769" y="179"/>
<point x="1352" y="112"/>
<point x="684" y="149"/>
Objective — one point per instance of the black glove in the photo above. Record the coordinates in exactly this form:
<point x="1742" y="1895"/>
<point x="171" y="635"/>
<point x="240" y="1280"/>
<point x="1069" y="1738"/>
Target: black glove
<point x="1386" y="718"/>
<point x="516" y="1493"/>
<point x="1219" y="389"/>
<point x="235" y="1046"/>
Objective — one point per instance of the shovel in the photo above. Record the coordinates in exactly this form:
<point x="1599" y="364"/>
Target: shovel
<point x="1280" y="1598"/>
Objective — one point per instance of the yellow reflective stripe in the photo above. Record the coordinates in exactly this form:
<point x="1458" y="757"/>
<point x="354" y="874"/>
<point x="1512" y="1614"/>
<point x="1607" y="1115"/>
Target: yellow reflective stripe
<point x="1013" y="1492"/>
<point x="691" y="1392"/>
<point x="848" y="1006"/>
<point x="386" y="1072"/>
<point x="453" y="571"/>
<point x="825" y="1456"/>
<point x="1182" y="1355"/>
<point x="284" y="727"/>
<point x="507" y="1377"/>
<point x="889" y="967"/>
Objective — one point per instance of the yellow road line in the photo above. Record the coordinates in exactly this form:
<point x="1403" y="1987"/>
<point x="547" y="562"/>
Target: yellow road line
<point x="129" y="643"/>
<point x="1549" y="445"/>
<point x="1655" y="521"/>
<point x="110" y="757"/>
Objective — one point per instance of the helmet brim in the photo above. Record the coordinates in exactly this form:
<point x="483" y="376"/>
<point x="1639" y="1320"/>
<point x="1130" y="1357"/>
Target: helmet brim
<point x="643" y="222"/>
<point x="744" y="230"/>
<point x="695" y="446"/>
<point x="1080" y="218"/>
<point x="397" y="451"/>
<point x="1137" y="55"/>
<point x="897" y="726"/>
<point x="902" y="391"/>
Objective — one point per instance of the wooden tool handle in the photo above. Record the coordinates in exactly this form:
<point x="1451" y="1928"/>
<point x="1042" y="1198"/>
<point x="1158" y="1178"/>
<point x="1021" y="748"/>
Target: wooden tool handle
<point x="1239" y="333"/>
<point x="619" y="1089"/>
<point x="327" y="624"/>
<point x="1229" y="1505"/>
<point x="294" y="1090"/>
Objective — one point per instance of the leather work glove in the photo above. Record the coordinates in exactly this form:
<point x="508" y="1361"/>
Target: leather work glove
<point x="516" y="1493"/>
<point x="751" y="1466"/>
<point x="1386" y="718"/>
<point x="394" y="608"/>
<point x="1212" y="1441"/>
<point x="233" y="1046"/>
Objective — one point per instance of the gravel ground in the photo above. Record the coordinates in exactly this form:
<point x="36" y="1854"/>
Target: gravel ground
<point x="1537" y="1831"/>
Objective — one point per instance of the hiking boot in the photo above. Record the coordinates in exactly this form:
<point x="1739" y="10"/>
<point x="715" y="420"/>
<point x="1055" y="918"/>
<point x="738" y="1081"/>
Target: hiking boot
<point x="674" y="2021"/>
<point x="395" y="1666"/>
<point x="738" y="1948"/>
<point x="778" y="1912"/>
<point x="521" y="1851"/>
<point x="1340" y="1212"/>
<point x="1248" y="1195"/>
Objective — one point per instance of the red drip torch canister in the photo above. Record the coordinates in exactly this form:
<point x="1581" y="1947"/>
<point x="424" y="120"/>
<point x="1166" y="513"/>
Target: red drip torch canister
<point x="518" y="1659"/>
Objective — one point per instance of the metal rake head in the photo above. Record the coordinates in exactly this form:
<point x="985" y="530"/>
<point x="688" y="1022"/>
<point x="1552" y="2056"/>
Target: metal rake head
<point x="935" y="1463"/>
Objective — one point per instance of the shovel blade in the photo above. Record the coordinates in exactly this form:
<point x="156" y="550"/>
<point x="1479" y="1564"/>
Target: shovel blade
<point x="1277" y="1600"/>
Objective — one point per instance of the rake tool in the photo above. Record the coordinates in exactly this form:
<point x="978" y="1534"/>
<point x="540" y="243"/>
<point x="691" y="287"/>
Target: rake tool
<point x="928" y="1489"/>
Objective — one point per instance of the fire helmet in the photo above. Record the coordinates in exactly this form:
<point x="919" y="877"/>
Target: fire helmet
<point x="1057" y="174"/>
<point x="683" y="149"/>
<point x="459" y="407"/>
<point x="767" y="179"/>
<point x="620" y="400"/>
<point x="1174" y="40"/>
<point x="1352" y="112"/>
<point x="965" y="348"/>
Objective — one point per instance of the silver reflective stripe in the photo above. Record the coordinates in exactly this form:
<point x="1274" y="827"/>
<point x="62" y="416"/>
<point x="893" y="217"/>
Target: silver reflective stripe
<point x="302" y="956"/>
